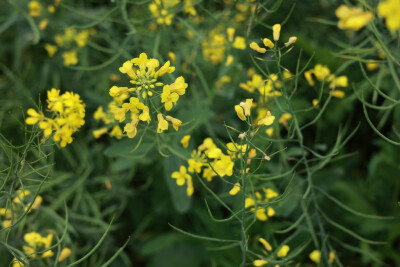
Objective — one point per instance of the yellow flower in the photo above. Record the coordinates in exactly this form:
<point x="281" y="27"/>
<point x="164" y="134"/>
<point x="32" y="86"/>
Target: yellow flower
<point x="130" y="128"/>
<point x="195" y="165"/>
<point x="43" y="24"/>
<point x="179" y="86"/>
<point x="235" y="189"/>
<point x="340" y="81"/>
<point x="17" y="263"/>
<point x="175" y="122"/>
<point x="208" y="174"/>
<point x="214" y="48"/>
<point x="185" y="141"/>
<point x="239" y="43"/>
<point x="268" y="43"/>
<point x="32" y="238"/>
<point x="70" y="58"/>
<point x="315" y="256"/>
<point x="321" y="72"/>
<point x="81" y="38"/>
<point x="308" y="76"/>
<point x="69" y="116"/>
<point x="116" y="131"/>
<point x="162" y="123"/>
<point x="190" y="188"/>
<point x="266" y="245"/>
<point x="168" y="98"/>
<point x="231" y="33"/>
<point x="181" y="176"/>
<point x="331" y="257"/>
<point x="65" y="252"/>
<point x="126" y="68"/>
<point x="267" y="120"/>
<point x="172" y="56"/>
<point x="47" y="254"/>
<point x="240" y="112"/>
<point x="51" y="9"/>
<point x="315" y="103"/>
<point x="269" y="131"/>
<point x="255" y="47"/>
<point x="390" y="10"/>
<point x="6" y="223"/>
<point x="223" y="166"/>
<point x="35" y="9"/>
<point x="259" y="263"/>
<point x="260" y="214"/>
<point x="371" y="66"/>
<point x="270" y="212"/>
<point x="51" y="49"/>
<point x="269" y="193"/>
<point x="283" y="251"/>
<point x="34" y="116"/>
<point x="291" y="41"/>
<point x="21" y="194"/>
<point x="38" y="201"/>
<point x="229" y="60"/>
<point x="353" y="18"/>
<point x="99" y="132"/>
<point x="249" y="202"/>
<point x="276" y="31"/>
<point x="337" y="93"/>
<point x="284" y="118"/>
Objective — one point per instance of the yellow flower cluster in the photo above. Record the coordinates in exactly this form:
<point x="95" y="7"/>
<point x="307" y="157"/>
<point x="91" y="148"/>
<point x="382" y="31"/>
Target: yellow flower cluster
<point x="267" y="88"/>
<point x="276" y="32"/>
<point x="315" y="256"/>
<point x="243" y="111"/>
<point x="36" y="11"/>
<point x="107" y="117"/>
<point x="71" y="41"/>
<point x="281" y="253"/>
<point x="164" y="10"/>
<point x="19" y="206"/>
<point x="68" y="116"/>
<point x="390" y="10"/>
<point x="220" y="164"/>
<point x="37" y="243"/>
<point x="323" y="74"/>
<point x="262" y="213"/>
<point x="215" y="47"/>
<point x="353" y="18"/>
<point x="144" y="73"/>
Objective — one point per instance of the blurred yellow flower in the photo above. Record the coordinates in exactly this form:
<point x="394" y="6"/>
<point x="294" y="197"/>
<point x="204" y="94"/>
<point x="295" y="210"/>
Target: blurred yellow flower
<point x="268" y="43"/>
<point x="265" y="243"/>
<point x="51" y="49"/>
<point x="35" y="8"/>
<point x="276" y="31"/>
<point x="185" y="141"/>
<point x="162" y="123"/>
<point x="315" y="256"/>
<point x="353" y="18"/>
<point x="267" y="120"/>
<point x="235" y="189"/>
<point x="255" y="47"/>
<point x="65" y="253"/>
<point x="239" y="43"/>
<point x="259" y="263"/>
<point x="390" y="10"/>
<point x="283" y="251"/>
<point x="70" y="58"/>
